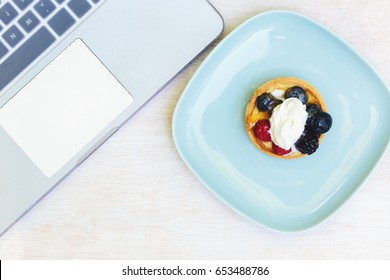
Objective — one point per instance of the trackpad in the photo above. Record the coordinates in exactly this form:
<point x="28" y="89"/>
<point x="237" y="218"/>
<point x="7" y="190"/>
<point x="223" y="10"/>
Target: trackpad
<point x="64" y="108"/>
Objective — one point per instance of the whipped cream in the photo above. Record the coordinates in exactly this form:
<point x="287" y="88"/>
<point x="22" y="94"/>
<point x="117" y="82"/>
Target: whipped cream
<point x="278" y="93"/>
<point x="288" y="122"/>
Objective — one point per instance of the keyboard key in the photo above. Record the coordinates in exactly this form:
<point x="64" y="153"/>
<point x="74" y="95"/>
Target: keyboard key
<point x="60" y="1"/>
<point x="28" y="22"/>
<point x="25" y="55"/>
<point x="7" y="13"/>
<point x="61" y="22"/>
<point x="44" y="8"/>
<point x="22" y="4"/>
<point x="3" y="50"/>
<point x="79" y="7"/>
<point x="13" y="36"/>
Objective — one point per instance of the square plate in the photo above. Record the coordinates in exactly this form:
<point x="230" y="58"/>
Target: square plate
<point x="209" y="121"/>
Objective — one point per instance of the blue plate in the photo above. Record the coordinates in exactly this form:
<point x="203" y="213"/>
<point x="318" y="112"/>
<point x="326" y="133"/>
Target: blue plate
<point x="209" y="126"/>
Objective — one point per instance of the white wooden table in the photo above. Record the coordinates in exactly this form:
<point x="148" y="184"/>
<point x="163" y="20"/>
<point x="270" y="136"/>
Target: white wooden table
<point x="135" y="199"/>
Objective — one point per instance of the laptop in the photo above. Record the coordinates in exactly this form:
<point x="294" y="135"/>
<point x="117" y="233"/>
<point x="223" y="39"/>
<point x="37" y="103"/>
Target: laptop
<point x="73" y="71"/>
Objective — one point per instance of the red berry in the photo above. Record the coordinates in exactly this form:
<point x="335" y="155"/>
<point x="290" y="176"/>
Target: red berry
<point x="280" y="151"/>
<point x="261" y="130"/>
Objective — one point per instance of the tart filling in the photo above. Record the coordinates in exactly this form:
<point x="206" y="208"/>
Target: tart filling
<point x="286" y="117"/>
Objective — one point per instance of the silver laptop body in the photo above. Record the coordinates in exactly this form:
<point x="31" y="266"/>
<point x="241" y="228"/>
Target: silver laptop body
<point x="124" y="50"/>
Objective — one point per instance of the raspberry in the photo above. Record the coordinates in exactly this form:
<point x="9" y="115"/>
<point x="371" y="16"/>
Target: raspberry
<point x="280" y="151"/>
<point x="261" y="130"/>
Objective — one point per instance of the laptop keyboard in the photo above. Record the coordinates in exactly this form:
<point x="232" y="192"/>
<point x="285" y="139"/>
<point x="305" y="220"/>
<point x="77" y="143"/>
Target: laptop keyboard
<point x="29" y="27"/>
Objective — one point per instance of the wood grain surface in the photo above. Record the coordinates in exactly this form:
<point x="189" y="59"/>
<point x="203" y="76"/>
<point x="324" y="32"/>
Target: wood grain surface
<point x="134" y="198"/>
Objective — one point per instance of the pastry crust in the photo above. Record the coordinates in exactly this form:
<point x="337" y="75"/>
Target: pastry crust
<point x="252" y="114"/>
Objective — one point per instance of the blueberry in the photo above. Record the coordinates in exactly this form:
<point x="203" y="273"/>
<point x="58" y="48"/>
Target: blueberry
<point x="321" y="122"/>
<point x="274" y="103"/>
<point x="263" y="101"/>
<point x="312" y="109"/>
<point x="297" y="92"/>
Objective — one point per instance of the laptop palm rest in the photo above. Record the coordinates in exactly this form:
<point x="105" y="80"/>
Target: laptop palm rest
<point x="64" y="108"/>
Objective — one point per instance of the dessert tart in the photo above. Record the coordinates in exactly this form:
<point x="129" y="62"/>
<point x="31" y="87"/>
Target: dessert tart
<point x="287" y="118"/>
